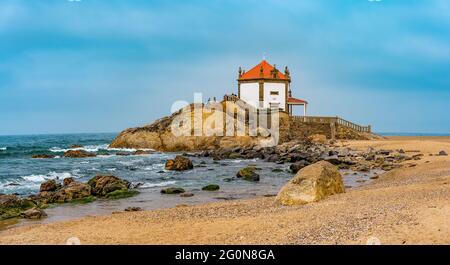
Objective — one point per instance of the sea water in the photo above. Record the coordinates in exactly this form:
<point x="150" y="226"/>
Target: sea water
<point x="20" y="174"/>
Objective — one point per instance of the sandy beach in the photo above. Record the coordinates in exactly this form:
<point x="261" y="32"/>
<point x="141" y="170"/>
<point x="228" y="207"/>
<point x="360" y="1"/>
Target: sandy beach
<point x="409" y="205"/>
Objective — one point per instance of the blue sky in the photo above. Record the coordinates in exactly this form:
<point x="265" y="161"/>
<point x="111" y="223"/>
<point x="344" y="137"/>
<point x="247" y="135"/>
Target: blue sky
<point x="102" y="66"/>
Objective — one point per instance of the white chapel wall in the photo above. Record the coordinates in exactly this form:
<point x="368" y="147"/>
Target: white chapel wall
<point x="280" y="98"/>
<point x="250" y="93"/>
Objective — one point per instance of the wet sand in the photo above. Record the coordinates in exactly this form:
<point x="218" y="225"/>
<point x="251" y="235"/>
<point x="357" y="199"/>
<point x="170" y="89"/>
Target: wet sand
<point x="410" y="205"/>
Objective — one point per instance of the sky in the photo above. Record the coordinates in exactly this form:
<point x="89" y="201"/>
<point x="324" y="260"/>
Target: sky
<point x="103" y="66"/>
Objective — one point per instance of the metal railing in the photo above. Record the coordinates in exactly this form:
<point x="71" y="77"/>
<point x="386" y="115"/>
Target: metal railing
<point x="333" y="120"/>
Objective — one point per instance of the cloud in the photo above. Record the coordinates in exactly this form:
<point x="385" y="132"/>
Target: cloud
<point x="128" y="61"/>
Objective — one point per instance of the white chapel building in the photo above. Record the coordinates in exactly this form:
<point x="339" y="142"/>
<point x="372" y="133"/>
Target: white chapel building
<point x="264" y="86"/>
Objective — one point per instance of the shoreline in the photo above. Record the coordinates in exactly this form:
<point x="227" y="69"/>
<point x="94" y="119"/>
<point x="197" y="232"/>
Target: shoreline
<point x="404" y="206"/>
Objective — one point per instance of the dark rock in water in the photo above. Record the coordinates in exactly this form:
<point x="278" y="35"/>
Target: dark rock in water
<point x="141" y="152"/>
<point x="102" y="185"/>
<point x="67" y="181"/>
<point x="180" y="163"/>
<point x="275" y="170"/>
<point x="248" y="173"/>
<point x="172" y="191"/>
<point x="33" y="213"/>
<point x="123" y="154"/>
<point x="78" y="154"/>
<point x="442" y="153"/>
<point x="212" y="187"/>
<point x="161" y="171"/>
<point x="228" y="179"/>
<point x="186" y="195"/>
<point x="49" y="185"/>
<point x="133" y="209"/>
<point x="43" y="156"/>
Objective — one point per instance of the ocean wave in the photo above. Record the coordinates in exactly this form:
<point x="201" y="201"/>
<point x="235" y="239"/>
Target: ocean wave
<point x="154" y="167"/>
<point x="160" y="184"/>
<point x="32" y="182"/>
<point x="96" y="148"/>
<point x="3" y="148"/>
<point x="52" y="175"/>
<point x="87" y="148"/>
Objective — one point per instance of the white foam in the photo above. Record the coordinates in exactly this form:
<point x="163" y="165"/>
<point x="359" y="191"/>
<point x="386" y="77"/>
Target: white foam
<point x="160" y="184"/>
<point x="96" y="148"/>
<point x="87" y="148"/>
<point x="154" y="167"/>
<point x="50" y="175"/>
<point x="3" y="148"/>
<point x="33" y="182"/>
<point x="35" y="178"/>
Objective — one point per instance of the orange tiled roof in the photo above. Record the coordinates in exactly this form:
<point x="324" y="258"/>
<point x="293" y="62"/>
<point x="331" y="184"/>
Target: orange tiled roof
<point x="292" y="100"/>
<point x="255" y="72"/>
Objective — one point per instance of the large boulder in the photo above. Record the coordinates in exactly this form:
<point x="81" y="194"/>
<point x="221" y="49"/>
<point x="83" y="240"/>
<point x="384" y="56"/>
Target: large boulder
<point x="73" y="191"/>
<point x="311" y="184"/>
<point x="78" y="154"/>
<point x="180" y="163"/>
<point x="102" y="185"/>
<point x="49" y="185"/>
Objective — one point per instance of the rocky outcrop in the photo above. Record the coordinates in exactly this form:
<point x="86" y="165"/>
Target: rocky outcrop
<point x="78" y="154"/>
<point x="111" y="187"/>
<point x="311" y="184"/>
<point x="12" y="206"/>
<point x="159" y="136"/>
<point x="73" y="191"/>
<point x="180" y="163"/>
<point x="103" y="185"/>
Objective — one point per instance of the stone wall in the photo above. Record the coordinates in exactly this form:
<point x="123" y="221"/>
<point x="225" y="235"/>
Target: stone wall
<point x="296" y="129"/>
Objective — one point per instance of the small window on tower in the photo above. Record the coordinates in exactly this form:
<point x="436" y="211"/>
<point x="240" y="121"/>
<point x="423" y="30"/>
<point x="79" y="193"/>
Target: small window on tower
<point x="274" y="93"/>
